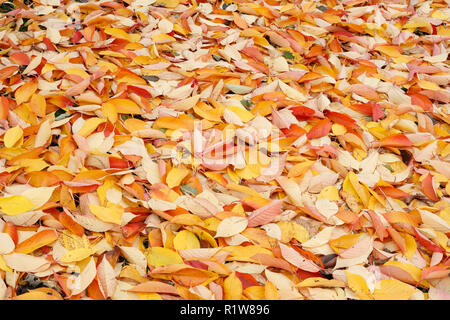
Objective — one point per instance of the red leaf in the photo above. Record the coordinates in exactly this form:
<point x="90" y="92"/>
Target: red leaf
<point x="321" y="129"/>
<point x="139" y="91"/>
<point x="118" y="163"/>
<point x="247" y="280"/>
<point x="377" y="113"/>
<point x="132" y="229"/>
<point x="370" y="109"/>
<point x="197" y="264"/>
<point x="302" y="113"/>
<point x="20" y="58"/>
<point x="303" y="275"/>
<point x="427" y="243"/>
<point x="76" y="37"/>
<point x="48" y="43"/>
<point x="342" y="119"/>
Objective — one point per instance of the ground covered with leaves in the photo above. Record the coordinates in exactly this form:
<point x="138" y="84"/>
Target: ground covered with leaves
<point x="182" y="149"/>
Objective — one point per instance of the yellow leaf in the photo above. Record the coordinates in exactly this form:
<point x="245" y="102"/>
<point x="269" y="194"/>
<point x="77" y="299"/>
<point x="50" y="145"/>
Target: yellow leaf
<point x="188" y="219"/>
<point x="338" y="129"/>
<point x="149" y="296"/>
<point x="428" y="85"/>
<point x="245" y="189"/>
<point x="111" y="53"/>
<point x="89" y="126"/>
<point x="242" y="113"/>
<point x="321" y="282"/>
<point x="175" y="176"/>
<point x="232" y="287"/>
<point x="203" y="235"/>
<point x="83" y="74"/>
<point x="133" y="124"/>
<point x="344" y="242"/>
<point x="159" y="257"/>
<point x="411" y="246"/>
<point x="439" y="15"/>
<point x="3" y="265"/>
<point x="389" y="51"/>
<point x="185" y="240"/>
<point x="71" y="241"/>
<point x="123" y="106"/>
<point x="162" y="38"/>
<point x="271" y="291"/>
<point x="300" y="168"/>
<point x="254" y="293"/>
<point x="358" y="285"/>
<point x="291" y="230"/>
<point x="362" y="193"/>
<point x="331" y="193"/>
<point x="77" y="255"/>
<point x="111" y="213"/>
<point x="39" y="294"/>
<point x="207" y="112"/>
<point x="13" y="136"/>
<point x="15" y="205"/>
<point x="24" y="93"/>
<point x="250" y="171"/>
<point x="240" y="253"/>
<point x="168" y="3"/>
<point x="110" y="111"/>
<point x="117" y="33"/>
<point x="391" y="289"/>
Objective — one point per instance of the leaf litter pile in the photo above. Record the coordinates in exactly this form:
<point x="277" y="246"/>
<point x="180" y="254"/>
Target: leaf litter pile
<point x="167" y="149"/>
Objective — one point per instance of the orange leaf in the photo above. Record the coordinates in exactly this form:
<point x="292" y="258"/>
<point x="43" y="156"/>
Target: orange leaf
<point x="265" y="214"/>
<point x="428" y="188"/>
<point x="39" y="294"/>
<point x="70" y="224"/>
<point x="321" y="129"/>
<point x="42" y="179"/>
<point x="38" y="105"/>
<point x="38" y="240"/>
<point x="232" y="287"/>
<point x="394" y="192"/>
<point x="398" y="239"/>
<point x="342" y="119"/>
<point x="422" y="101"/>
<point x="154" y="286"/>
<point x="435" y="272"/>
<point x="396" y="141"/>
<point x="20" y="58"/>
<point x="378" y="225"/>
<point x="24" y="93"/>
